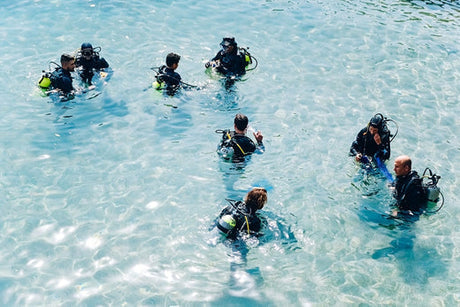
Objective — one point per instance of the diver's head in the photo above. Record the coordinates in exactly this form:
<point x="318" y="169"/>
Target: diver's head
<point x="403" y="165"/>
<point x="241" y="122"/>
<point x="68" y="62"/>
<point x="172" y="60"/>
<point x="86" y="50"/>
<point x="228" y="44"/>
<point x="256" y="198"/>
<point x="376" y="123"/>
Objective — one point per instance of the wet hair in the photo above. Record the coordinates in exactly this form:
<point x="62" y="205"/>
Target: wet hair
<point x="172" y="59"/>
<point x="241" y="121"/>
<point x="256" y="198"/>
<point x="66" y="58"/>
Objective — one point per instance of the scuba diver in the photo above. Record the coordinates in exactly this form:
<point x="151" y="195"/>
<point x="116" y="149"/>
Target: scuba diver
<point x="240" y="216"/>
<point x="167" y="77"/>
<point x="236" y="144"/>
<point x="88" y="60"/>
<point x="411" y="193"/>
<point x="373" y="140"/>
<point x="61" y="79"/>
<point x="231" y="61"/>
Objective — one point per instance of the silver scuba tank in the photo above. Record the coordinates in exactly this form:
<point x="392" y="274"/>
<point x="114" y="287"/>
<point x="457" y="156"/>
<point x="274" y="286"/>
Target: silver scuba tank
<point x="432" y="194"/>
<point x="431" y="188"/>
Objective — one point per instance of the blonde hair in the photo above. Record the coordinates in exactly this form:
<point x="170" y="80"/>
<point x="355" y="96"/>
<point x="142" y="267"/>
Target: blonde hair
<point x="256" y="198"/>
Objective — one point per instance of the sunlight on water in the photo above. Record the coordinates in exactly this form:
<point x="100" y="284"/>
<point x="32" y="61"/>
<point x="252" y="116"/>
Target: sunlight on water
<point x="109" y="198"/>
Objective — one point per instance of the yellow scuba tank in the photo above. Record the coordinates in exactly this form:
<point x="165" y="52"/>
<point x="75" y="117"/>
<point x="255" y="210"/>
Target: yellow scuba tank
<point x="158" y="85"/>
<point x="247" y="56"/>
<point x="247" y="59"/>
<point x="45" y="81"/>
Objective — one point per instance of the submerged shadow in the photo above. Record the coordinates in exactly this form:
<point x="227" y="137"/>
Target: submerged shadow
<point x="173" y="119"/>
<point x="416" y="264"/>
<point x="227" y="98"/>
<point x="232" y="172"/>
<point x="71" y="119"/>
<point x="173" y="122"/>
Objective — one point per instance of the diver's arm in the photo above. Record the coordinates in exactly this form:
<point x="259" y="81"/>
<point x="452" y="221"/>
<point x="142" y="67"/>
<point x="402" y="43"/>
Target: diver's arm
<point x="260" y="145"/>
<point x="384" y="147"/>
<point x="66" y="85"/>
<point x="214" y="59"/>
<point x="356" y="146"/>
<point x="102" y="63"/>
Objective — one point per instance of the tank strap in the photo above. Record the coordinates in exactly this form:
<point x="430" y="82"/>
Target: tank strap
<point x="236" y="143"/>
<point x="160" y="73"/>
<point x="247" y="222"/>
<point x="409" y="184"/>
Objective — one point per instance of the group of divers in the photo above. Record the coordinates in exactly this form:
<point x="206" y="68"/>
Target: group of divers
<point x="230" y="63"/>
<point x="371" y="148"/>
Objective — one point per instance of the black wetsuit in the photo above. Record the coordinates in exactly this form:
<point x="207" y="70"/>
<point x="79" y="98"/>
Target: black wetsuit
<point x="409" y="193"/>
<point x="243" y="216"/>
<point x="95" y="63"/>
<point x="366" y="145"/>
<point x="171" y="78"/>
<point x="231" y="64"/>
<point x="241" y="144"/>
<point x="61" y="80"/>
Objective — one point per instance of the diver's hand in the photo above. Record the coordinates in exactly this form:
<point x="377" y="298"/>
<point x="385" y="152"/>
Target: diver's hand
<point x="358" y="157"/>
<point x="258" y="135"/>
<point x="377" y="139"/>
<point x="213" y="64"/>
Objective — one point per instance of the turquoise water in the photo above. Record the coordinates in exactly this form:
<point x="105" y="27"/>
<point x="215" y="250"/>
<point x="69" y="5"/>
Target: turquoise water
<point x="108" y="201"/>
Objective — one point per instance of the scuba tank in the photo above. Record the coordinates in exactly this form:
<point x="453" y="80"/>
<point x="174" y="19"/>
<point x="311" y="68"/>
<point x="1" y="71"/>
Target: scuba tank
<point x="158" y="84"/>
<point x="248" y="58"/>
<point x="225" y="148"/>
<point x="45" y="81"/>
<point x="432" y="191"/>
<point x="44" y="84"/>
<point x="432" y="195"/>
<point x="226" y="152"/>
<point x="226" y="224"/>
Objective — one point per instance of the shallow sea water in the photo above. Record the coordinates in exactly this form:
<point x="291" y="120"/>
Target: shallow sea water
<point x="109" y="200"/>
